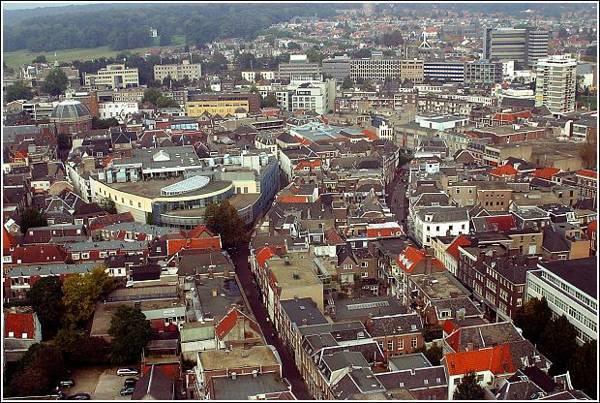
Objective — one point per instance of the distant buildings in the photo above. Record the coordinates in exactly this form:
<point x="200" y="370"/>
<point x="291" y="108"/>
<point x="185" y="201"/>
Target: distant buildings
<point x="387" y="69"/>
<point x="178" y="71"/>
<point x="113" y="76"/>
<point x="298" y="64"/>
<point x="483" y="72"/>
<point x="222" y="104"/>
<point x="523" y="45"/>
<point x="556" y="83"/>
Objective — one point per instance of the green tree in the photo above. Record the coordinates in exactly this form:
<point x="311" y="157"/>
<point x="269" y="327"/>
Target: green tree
<point x="347" y="83"/>
<point x="393" y="38"/>
<point x="131" y="332"/>
<point x="18" y="91"/>
<point x="81" y="293"/>
<point x="588" y="152"/>
<point x="40" y="59"/>
<point x="434" y="354"/>
<point x="583" y="369"/>
<point x="558" y="343"/>
<point x="270" y="101"/>
<point x="45" y="296"/>
<point x="362" y="53"/>
<point x="165" y="102"/>
<point x="98" y="123"/>
<point x="314" y="56"/>
<point x="56" y="82"/>
<point x="246" y="61"/>
<point x="532" y="318"/>
<point x="79" y="349"/>
<point x="32" y="217"/>
<point x="151" y="95"/>
<point x="469" y="389"/>
<point x="39" y="370"/>
<point x="224" y="220"/>
<point x="293" y="46"/>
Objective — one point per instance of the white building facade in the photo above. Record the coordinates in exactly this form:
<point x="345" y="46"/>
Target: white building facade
<point x="556" y="81"/>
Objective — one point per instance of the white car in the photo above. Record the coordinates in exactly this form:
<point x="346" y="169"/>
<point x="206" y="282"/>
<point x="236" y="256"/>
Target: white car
<point x="127" y="371"/>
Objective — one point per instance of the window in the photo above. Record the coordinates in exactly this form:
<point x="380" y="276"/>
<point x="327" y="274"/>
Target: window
<point x="85" y="255"/>
<point x="413" y="342"/>
<point x="347" y="266"/>
<point x="400" y="344"/>
<point x="390" y="345"/>
<point x="364" y="264"/>
<point x="479" y="378"/>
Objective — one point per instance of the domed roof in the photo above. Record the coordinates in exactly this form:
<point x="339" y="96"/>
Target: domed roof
<point x="70" y="109"/>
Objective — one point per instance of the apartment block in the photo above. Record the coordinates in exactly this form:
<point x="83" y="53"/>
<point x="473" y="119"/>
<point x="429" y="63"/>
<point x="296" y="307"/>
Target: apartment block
<point x="113" y="76"/>
<point x="178" y="71"/>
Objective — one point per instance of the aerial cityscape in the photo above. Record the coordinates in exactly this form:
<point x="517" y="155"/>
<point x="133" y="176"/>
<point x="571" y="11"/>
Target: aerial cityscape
<point x="288" y="201"/>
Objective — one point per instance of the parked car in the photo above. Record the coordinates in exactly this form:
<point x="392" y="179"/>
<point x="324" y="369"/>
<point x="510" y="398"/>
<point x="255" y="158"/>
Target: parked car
<point x="79" y="396"/>
<point x="127" y="371"/>
<point x="129" y="382"/>
<point x="127" y="391"/>
<point x="66" y="383"/>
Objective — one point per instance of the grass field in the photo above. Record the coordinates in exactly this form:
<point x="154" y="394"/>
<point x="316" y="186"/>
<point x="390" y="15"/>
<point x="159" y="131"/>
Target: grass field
<point x="18" y="58"/>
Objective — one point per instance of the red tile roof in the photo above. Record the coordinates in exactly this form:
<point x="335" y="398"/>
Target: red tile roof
<point x="371" y="135"/>
<point x="7" y="240"/>
<point x="227" y="322"/>
<point x="412" y="256"/>
<point x="511" y="116"/>
<point x="587" y="172"/>
<point x="176" y="245"/>
<point x="40" y="253"/>
<point x="199" y="230"/>
<point x="110" y="219"/>
<point x="592" y="227"/>
<point x="497" y="359"/>
<point x="504" y="170"/>
<point x="461" y="240"/>
<point x="19" y="323"/>
<point x="263" y="255"/>
<point x="333" y="237"/>
<point x="307" y="164"/>
<point x="292" y="199"/>
<point x="501" y="222"/>
<point x="546" y="173"/>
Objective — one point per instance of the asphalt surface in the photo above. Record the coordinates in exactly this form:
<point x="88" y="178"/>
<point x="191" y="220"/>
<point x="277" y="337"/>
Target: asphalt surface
<point x="239" y="256"/>
<point x="396" y="198"/>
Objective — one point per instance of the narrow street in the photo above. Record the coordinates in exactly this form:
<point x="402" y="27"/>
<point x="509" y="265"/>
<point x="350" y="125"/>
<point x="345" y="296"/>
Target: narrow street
<point x="239" y="256"/>
<point x="396" y="198"/>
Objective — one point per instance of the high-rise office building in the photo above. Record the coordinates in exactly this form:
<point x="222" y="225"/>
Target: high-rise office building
<point x="523" y="45"/>
<point x="556" y="80"/>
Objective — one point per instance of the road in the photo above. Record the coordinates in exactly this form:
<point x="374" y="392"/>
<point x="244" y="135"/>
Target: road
<point x="239" y="256"/>
<point x="397" y="200"/>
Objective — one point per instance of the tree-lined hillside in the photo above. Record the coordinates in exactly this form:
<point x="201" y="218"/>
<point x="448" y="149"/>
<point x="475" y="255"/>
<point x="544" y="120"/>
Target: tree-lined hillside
<point x="126" y="29"/>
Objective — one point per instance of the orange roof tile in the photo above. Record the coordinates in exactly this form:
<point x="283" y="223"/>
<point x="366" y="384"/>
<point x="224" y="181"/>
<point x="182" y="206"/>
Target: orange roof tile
<point x="307" y="164"/>
<point x="199" y="230"/>
<point x="7" y="240"/>
<point x="263" y="255"/>
<point x="497" y="359"/>
<point x="292" y="199"/>
<point x="587" y="172"/>
<point x="546" y="173"/>
<point x="461" y="240"/>
<point x="227" y="322"/>
<point x="371" y="135"/>
<point x="503" y="170"/>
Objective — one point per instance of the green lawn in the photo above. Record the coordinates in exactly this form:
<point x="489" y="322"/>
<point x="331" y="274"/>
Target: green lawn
<point x="18" y="58"/>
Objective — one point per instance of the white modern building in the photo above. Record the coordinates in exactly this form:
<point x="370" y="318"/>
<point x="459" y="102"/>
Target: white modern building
<point x="430" y="222"/>
<point x="316" y="97"/>
<point x="178" y="71"/>
<point x="556" y="80"/>
<point x="570" y="289"/>
<point x="113" y="76"/>
<point x="442" y="122"/>
<point x="251" y="75"/>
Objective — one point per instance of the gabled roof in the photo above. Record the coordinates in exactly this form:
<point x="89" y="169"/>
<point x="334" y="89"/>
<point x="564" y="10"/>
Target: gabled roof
<point x="504" y="170"/>
<point x="40" y="253"/>
<point x="264" y="254"/>
<point x="461" y="240"/>
<point x="198" y="231"/>
<point x="154" y="385"/>
<point x="228" y="322"/>
<point x="411" y="257"/>
<point x="546" y="173"/>
<point x="497" y="359"/>
<point x="7" y="240"/>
